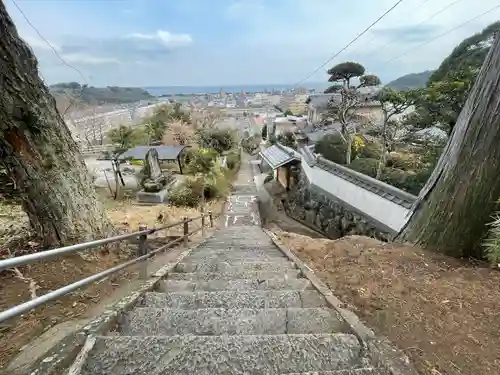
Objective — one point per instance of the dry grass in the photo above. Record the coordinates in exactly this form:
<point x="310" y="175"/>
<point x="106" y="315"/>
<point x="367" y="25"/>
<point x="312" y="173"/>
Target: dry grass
<point x="52" y="274"/>
<point x="442" y="312"/>
<point x="128" y="216"/>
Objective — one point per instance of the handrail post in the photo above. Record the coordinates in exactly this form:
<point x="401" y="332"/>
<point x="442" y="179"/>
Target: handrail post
<point x="142" y="250"/>
<point x="186" y="231"/>
<point x="203" y="225"/>
<point x="211" y="219"/>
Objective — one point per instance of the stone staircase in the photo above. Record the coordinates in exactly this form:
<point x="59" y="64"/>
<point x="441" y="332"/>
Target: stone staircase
<point x="234" y="305"/>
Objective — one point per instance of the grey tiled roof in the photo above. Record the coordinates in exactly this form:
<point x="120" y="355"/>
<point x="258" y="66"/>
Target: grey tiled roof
<point x="164" y="152"/>
<point x="278" y="155"/>
<point x="380" y="188"/>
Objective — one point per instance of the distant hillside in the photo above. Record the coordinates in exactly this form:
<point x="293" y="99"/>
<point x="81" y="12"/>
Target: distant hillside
<point x="411" y="81"/>
<point x="83" y="96"/>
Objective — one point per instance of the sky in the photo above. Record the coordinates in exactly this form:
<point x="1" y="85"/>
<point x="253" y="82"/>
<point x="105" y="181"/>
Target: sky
<point x="234" y="42"/>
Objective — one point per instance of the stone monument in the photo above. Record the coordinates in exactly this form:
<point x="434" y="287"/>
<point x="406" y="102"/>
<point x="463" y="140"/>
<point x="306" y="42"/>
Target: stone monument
<point x="155" y="183"/>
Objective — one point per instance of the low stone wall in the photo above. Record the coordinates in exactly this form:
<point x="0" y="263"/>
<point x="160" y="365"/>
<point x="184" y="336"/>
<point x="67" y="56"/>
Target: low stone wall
<point x="325" y="213"/>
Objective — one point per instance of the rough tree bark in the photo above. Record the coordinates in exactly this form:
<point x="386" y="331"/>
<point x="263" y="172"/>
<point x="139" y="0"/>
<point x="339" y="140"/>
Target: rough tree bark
<point x="457" y="202"/>
<point x="37" y="148"/>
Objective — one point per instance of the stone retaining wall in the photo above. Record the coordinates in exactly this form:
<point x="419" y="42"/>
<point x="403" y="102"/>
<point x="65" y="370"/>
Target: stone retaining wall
<point x="325" y="213"/>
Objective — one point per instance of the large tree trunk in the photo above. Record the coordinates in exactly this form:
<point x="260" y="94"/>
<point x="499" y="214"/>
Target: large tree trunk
<point x="37" y="148"/>
<point x="459" y="198"/>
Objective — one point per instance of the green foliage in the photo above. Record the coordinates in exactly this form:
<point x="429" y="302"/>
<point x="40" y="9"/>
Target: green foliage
<point x="367" y="166"/>
<point x="468" y="55"/>
<point x="250" y="144"/>
<point x="155" y="130"/>
<point x="264" y="132"/>
<point x="403" y="162"/>
<point x="345" y="71"/>
<point x="202" y="161"/>
<point x="220" y="140"/>
<point x="272" y="139"/>
<point x="333" y="89"/>
<point x="333" y="148"/>
<point x="233" y="160"/>
<point x="288" y="113"/>
<point x="287" y="139"/>
<point x="185" y="194"/>
<point x="126" y="137"/>
<point x="396" y="102"/>
<point x="443" y="100"/>
<point x="369" y="80"/>
<point x="98" y="95"/>
<point x="448" y="87"/>
<point x="371" y="150"/>
<point x="208" y="180"/>
<point x="492" y="243"/>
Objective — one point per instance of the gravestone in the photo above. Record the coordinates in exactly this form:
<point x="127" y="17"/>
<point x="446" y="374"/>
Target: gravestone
<point x="155" y="183"/>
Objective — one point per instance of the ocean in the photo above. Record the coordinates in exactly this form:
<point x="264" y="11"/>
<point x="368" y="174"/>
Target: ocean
<point x="176" y="90"/>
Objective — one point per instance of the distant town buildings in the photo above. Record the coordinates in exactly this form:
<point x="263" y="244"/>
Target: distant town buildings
<point x="294" y="103"/>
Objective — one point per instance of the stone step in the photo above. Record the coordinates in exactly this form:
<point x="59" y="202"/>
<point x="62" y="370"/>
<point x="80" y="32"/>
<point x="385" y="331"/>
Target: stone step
<point x="358" y="371"/>
<point x="262" y="250"/>
<point x="235" y="257"/>
<point x="239" y="284"/>
<point x="294" y="273"/>
<point x="243" y="235"/>
<point x="228" y="355"/>
<point x="147" y="321"/>
<point x="260" y="299"/>
<point x="236" y="253"/>
<point x="189" y="267"/>
<point x="239" y="245"/>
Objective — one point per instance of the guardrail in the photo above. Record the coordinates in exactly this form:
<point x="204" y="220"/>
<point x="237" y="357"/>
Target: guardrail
<point x="142" y="255"/>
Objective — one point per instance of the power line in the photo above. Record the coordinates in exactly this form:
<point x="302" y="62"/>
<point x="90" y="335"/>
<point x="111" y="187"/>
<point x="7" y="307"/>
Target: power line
<point x="351" y="42"/>
<point x="422" y="22"/>
<point x="56" y="53"/>
<point x="412" y="9"/>
<point x="47" y="42"/>
<point x="441" y="35"/>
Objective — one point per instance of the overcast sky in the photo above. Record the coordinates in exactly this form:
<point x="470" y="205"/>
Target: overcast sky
<point x="224" y="42"/>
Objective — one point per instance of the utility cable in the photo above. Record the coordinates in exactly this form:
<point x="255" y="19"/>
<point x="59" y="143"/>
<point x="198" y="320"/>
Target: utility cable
<point x="56" y="53"/>
<point x="350" y="43"/>
<point x="441" y="35"/>
<point x="378" y="49"/>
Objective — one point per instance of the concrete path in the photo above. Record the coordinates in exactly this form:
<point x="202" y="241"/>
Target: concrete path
<point x="235" y="305"/>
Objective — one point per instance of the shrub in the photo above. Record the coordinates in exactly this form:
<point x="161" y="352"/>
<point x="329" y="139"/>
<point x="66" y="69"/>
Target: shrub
<point x="136" y="162"/>
<point x="371" y="150"/>
<point x="250" y="144"/>
<point x="332" y="147"/>
<point x="407" y="181"/>
<point x="188" y="192"/>
<point x="492" y="243"/>
<point x="365" y="166"/>
<point x="202" y="161"/>
<point x="233" y="160"/>
<point x="219" y="139"/>
<point x="183" y="195"/>
<point x="287" y="139"/>
<point x="403" y="161"/>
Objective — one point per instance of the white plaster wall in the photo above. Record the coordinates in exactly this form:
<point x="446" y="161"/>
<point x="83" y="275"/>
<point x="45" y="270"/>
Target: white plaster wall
<point x="383" y="210"/>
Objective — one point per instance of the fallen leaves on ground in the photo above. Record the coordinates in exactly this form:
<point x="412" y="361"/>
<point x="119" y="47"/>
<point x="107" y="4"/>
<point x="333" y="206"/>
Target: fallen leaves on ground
<point x="443" y="312"/>
<point x="17" y="286"/>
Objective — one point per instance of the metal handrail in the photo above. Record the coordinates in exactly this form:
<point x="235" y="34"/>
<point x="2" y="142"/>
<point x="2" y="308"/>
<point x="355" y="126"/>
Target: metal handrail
<point x="142" y="253"/>
<point x="31" y="258"/>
